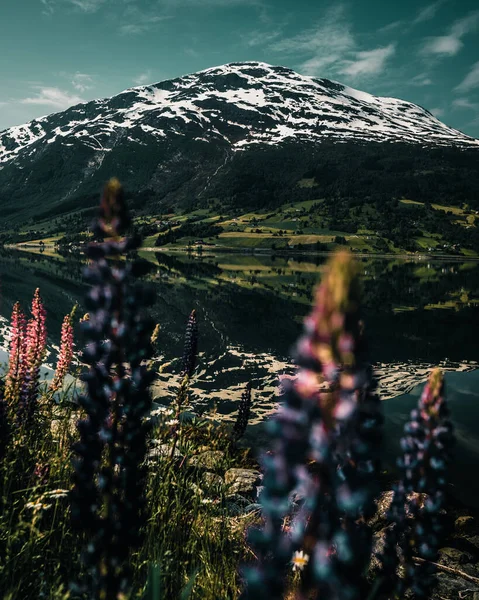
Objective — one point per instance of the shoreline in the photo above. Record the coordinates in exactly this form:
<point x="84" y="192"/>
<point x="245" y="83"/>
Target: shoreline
<point x="208" y="250"/>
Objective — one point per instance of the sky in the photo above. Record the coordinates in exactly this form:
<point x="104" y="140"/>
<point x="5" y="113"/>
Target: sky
<point x="57" y="53"/>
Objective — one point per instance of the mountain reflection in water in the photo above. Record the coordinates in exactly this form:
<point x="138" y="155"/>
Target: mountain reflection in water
<point x="418" y="313"/>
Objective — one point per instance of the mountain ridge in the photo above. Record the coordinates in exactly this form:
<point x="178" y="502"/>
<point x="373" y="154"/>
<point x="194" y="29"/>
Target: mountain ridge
<point x="243" y="132"/>
<point x="322" y="102"/>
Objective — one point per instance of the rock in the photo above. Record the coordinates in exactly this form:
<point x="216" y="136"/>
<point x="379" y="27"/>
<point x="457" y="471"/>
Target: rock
<point x="236" y="505"/>
<point x="452" y="557"/>
<point x="188" y="416"/>
<point x="465" y="525"/>
<point x="211" y="459"/>
<point x="242" y="481"/>
<point x="378" y="542"/>
<point x="196" y="489"/>
<point x="252" y="507"/>
<point x="383" y="502"/>
<point x="451" y="586"/>
<point x="212" y="479"/>
<point x="162" y="451"/>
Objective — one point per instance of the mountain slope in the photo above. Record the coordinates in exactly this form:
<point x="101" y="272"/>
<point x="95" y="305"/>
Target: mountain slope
<point x="179" y="140"/>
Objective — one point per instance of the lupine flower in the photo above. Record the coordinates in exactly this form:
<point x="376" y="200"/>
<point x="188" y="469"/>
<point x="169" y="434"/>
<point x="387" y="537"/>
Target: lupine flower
<point x="4" y="426"/>
<point x="66" y="351"/>
<point x="337" y="429"/>
<point x="16" y="364"/>
<point x="427" y="443"/>
<point x="41" y="473"/>
<point x="191" y="345"/>
<point x="243" y="413"/>
<point x="188" y="366"/>
<point x="34" y="354"/>
<point x="108" y="497"/>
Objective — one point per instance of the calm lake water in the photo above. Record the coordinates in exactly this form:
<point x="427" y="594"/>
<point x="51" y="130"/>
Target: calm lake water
<point x="418" y="313"/>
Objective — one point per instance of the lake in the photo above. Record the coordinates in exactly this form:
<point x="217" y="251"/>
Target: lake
<point x="418" y="314"/>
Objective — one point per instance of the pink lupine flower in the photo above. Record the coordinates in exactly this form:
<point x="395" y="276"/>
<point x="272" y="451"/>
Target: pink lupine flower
<point x="66" y="353"/>
<point x="34" y="353"/>
<point x="16" y="365"/>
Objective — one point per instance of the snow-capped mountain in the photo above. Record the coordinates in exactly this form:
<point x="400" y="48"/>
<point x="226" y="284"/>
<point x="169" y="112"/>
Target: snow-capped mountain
<point x="241" y="104"/>
<point x="187" y="129"/>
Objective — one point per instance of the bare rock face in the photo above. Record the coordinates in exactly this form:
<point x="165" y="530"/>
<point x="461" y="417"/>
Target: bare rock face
<point x="210" y="460"/>
<point x="243" y="481"/>
<point x="466" y="525"/>
<point x="384" y="502"/>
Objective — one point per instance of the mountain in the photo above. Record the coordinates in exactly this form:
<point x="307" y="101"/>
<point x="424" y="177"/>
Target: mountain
<point x="245" y="133"/>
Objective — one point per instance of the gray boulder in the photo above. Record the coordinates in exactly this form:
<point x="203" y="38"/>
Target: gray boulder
<point x="243" y="481"/>
<point x="211" y="459"/>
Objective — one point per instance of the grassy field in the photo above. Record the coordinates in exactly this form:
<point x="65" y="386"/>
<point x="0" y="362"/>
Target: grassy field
<point x="291" y="227"/>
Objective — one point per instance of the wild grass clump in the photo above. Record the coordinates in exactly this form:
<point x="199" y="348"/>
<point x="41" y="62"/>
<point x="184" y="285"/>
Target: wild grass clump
<point x="105" y="495"/>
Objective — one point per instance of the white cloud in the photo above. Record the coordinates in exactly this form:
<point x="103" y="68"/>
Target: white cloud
<point x="261" y="38"/>
<point x="428" y="12"/>
<point x="136" y="21"/>
<point x="390" y="27"/>
<point x="451" y="44"/>
<point x="446" y="44"/>
<point x="471" y="80"/>
<point x="143" y="78"/>
<point x="53" y="97"/>
<point x="85" y="6"/>
<point x="326" y="44"/>
<point x="465" y="103"/>
<point x="437" y="112"/>
<point x="369" y="62"/>
<point x="88" y="6"/>
<point x="48" y="6"/>
<point x="82" y="82"/>
<point x="421" y="80"/>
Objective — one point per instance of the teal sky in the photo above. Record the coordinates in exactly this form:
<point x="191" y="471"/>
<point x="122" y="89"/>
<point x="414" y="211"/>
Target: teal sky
<point x="55" y="53"/>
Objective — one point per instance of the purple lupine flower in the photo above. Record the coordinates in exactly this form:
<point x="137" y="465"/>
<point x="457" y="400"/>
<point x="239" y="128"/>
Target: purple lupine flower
<point x="243" y="414"/>
<point x="427" y="452"/>
<point x="108" y="497"/>
<point x="191" y="346"/>
<point x="339" y="430"/>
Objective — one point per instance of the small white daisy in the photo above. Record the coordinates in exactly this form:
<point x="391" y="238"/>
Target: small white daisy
<point x="300" y="560"/>
<point x="57" y="494"/>
<point x="172" y="422"/>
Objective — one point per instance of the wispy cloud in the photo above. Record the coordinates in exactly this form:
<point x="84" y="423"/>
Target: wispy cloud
<point x="136" y="20"/>
<point x="85" y="6"/>
<point x="261" y="38"/>
<point x="471" y="81"/>
<point x="88" y="6"/>
<point x="390" y="27"/>
<point x="437" y="112"/>
<point x="428" y="12"/>
<point x="332" y="46"/>
<point x="465" y="103"/>
<point x="143" y="78"/>
<point x="82" y="82"/>
<point x="326" y="44"/>
<point x="53" y="97"/>
<point x="211" y="3"/>
<point x="369" y="62"/>
<point x="48" y="6"/>
<point x="421" y="80"/>
<point x="451" y="43"/>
